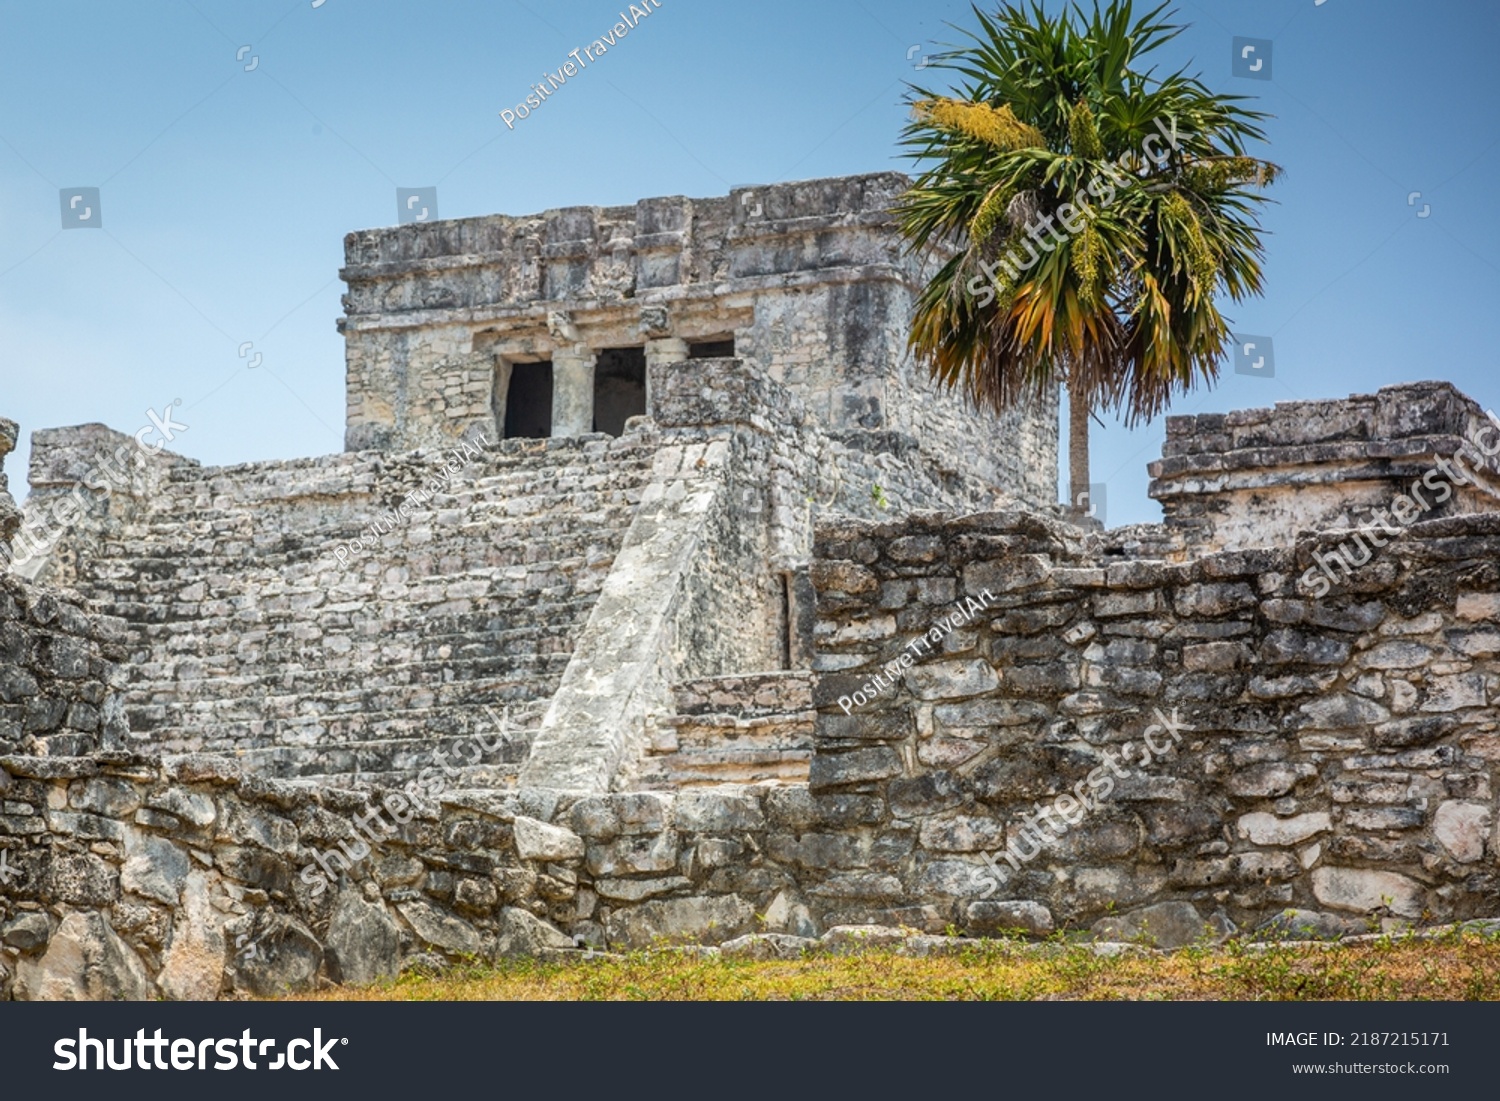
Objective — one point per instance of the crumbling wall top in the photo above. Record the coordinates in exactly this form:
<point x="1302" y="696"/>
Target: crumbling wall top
<point x="10" y="515"/>
<point x="614" y="254"/>
<point x="1257" y="477"/>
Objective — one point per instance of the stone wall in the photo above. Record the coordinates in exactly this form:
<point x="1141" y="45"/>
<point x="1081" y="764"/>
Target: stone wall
<point x="60" y="685"/>
<point x="1335" y="756"/>
<point x="734" y="729"/>
<point x="61" y="691"/>
<point x="88" y="482"/>
<point x="190" y="878"/>
<point x="1331" y="758"/>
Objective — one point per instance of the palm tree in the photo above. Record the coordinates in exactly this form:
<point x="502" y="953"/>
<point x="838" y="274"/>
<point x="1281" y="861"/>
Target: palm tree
<point x="1083" y="215"/>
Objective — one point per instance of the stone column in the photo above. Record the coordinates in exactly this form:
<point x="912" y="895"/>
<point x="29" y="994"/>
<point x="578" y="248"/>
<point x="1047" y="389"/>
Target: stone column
<point x="572" y="378"/>
<point x="572" y="391"/>
<point x="661" y="346"/>
<point x="666" y="351"/>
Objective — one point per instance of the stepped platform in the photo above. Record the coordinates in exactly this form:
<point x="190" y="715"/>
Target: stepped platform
<point x="260" y="627"/>
<point x="740" y="729"/>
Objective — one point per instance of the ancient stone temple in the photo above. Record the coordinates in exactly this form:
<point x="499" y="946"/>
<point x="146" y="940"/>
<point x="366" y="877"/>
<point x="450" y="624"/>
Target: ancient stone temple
<point x="660" y="595"/>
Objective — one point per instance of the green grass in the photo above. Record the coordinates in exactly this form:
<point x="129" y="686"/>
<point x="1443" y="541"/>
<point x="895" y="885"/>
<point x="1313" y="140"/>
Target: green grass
<point x="1455" y="966"/>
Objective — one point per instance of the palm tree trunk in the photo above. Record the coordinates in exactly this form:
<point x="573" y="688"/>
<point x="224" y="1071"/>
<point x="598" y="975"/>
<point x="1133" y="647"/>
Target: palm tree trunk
<point x="1078" y="451"/>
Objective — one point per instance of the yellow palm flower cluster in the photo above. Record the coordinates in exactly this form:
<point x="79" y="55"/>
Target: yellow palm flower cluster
<point x="1083" y="133"/>
<point x="1086" y="259"/>
<point x="997" y="126"/>
<point x="989" y="215"/>
<point x="1216" y="175"/>
<point x="1203" y="267"/>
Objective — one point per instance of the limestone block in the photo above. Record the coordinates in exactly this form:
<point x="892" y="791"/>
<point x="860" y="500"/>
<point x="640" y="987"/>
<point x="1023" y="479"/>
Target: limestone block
<point x="541" y="841"/>
<point x="1365" y="890"/>
<point x="523" y="934"/>
<point x="363" y="940"/>
<point x="634" y="855"/>
<point x="1166" y="925"/>
<point x="1267" y="829"/>
<point x="768" y="946"/>
<point x="950" y="680"/>
<point x="441" y="929"/>
<point x="718" y="812"/>
<point x="1463" y="829"/>
<point x="988" y="917"/>
<point x="193" y="967"/>
<point x="155" y="868"/>
<point x="85" y="961"/>
<point x="286" y="959"/>
<point x="702" y="920"/>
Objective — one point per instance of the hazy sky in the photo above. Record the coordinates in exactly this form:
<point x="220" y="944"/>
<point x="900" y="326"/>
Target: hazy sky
<point x="225" y="193"/>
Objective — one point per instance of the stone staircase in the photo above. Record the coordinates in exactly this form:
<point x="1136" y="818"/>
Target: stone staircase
<point x="739" y="729"/>
<point x="251" y="636"/>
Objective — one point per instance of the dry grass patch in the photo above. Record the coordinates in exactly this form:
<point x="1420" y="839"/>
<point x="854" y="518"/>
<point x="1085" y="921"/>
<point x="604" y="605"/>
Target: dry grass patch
<point x="1455" y="966"/>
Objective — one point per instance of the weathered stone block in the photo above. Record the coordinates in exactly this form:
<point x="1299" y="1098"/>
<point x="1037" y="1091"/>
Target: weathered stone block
<point x="951" y="680"/>
<point x="1463" y="829"/>
<point x="962" y="833"/>
<point x="1267" y="829"/>
<point x="606" y="816"/>
<point x="1365" y="890"/>
<point x="363" y="940"/>
<point x="634" y="855"/>
<point x="85" y="961"/>
<point x="441" y="929"/>
<point x="718" y="812"/>
<point x="675" y="920"/>
<point x="1166" y="925"/>
<point x="986" y="918"/>
<point x="1267" y="781"/>
<point x="524" y="935"/>
<point x="536" y="840"/>
<point x="853" y="767"/>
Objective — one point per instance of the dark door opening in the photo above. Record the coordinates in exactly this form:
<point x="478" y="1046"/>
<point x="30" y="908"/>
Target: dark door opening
<point x="528" y="402"/>
<point x="619" y="388"/>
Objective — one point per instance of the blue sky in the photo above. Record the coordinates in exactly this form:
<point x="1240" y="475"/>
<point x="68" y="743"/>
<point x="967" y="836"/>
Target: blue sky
<point x="226" y="193"/>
